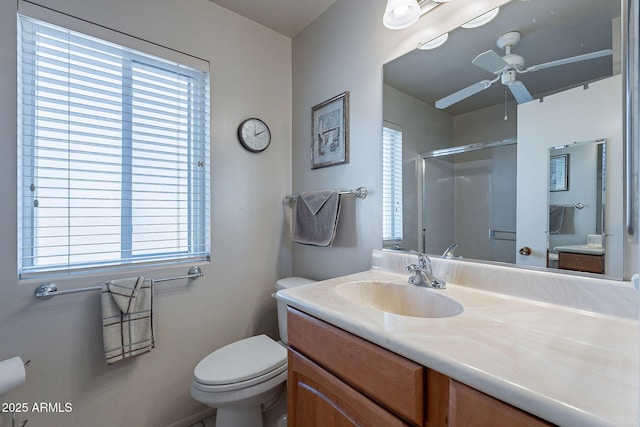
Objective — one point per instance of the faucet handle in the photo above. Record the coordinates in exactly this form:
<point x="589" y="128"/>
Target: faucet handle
<point x="438" y="283"/>
<point x="412" y="268"/>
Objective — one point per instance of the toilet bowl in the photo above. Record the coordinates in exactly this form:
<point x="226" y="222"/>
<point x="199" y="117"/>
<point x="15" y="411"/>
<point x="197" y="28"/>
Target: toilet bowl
<point x="246" y="377"/>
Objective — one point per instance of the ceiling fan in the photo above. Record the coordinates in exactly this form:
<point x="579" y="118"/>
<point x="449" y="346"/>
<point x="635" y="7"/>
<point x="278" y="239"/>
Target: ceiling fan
<point x="506" y="69"/>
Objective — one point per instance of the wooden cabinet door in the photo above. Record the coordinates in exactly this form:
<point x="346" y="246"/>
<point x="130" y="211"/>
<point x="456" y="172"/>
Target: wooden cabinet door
<point x="470" y="408"/>
<point x="385" y="377"/>
<point x="581" y="262"/>
<point x="319" y="399"/>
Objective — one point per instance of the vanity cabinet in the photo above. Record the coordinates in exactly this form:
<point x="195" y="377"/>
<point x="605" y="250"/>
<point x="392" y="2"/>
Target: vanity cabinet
<point x="581" y="262"/>
<point x="318" y="398"/>
<point x="338" y="379"/>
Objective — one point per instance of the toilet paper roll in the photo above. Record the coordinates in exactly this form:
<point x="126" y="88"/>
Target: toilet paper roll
<point x="12" y="374"/>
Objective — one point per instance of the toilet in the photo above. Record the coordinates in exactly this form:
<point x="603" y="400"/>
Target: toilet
<point x="246" y="377"/>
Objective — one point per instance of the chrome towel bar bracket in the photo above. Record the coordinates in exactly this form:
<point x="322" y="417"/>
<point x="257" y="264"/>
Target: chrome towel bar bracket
<point x="49" y="290"/>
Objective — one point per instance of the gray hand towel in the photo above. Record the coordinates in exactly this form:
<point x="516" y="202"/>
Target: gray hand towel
<point x="556" y="218"/>
<point x="316" y="219"/>
<point x="127" y="318"/>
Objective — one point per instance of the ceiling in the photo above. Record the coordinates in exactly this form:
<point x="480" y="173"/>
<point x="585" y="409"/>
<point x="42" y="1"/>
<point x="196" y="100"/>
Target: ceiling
<point x="550" y="30"/>
<point x="287" y="17"/>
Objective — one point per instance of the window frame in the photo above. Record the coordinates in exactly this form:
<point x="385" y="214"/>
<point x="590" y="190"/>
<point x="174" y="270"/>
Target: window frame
<point x="392" y="216"/>
<point x="199" y="225"/>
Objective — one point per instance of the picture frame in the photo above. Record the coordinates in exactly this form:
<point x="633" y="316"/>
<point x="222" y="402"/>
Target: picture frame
<point x="559" y="173"/>
<point x="330" y="132"/>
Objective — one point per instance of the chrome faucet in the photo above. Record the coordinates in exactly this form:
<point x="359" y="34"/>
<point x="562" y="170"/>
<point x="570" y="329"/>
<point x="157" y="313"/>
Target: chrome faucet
<point x="423" y="276"/>
<point x="448" y="253"/>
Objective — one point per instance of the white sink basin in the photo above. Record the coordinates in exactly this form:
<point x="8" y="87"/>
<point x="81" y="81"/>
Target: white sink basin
<point x="406" y="300"/>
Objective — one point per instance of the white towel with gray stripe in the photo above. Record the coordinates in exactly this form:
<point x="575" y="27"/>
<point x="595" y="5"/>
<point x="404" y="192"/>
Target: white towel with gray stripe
<point x="127" y="318"/>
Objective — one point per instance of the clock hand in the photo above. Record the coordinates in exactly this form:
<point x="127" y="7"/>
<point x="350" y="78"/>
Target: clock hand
<point x="262" y="131"/>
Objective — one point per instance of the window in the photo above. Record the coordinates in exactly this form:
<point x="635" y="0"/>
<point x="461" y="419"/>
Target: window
<point x="113" y="154"/>
<point x="392" y="183"/>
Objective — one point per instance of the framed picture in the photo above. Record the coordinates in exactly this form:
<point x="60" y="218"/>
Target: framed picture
<point x="559" y="173"/>
<point x="330" y="132"/>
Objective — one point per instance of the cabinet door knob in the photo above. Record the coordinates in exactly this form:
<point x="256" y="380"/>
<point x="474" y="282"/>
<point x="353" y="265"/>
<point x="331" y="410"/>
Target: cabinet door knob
<point x="526" y="251"/>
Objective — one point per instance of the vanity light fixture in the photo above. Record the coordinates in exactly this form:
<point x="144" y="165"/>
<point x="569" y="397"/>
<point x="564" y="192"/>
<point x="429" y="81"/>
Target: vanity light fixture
<point x="481" y="20"/>
<point x="401" y="14"/>
<point x="435" y="43"/>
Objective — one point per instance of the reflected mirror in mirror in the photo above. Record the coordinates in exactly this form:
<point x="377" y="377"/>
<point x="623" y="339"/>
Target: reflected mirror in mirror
<point x="540" y="74"/>
<point x="577" y="210"/>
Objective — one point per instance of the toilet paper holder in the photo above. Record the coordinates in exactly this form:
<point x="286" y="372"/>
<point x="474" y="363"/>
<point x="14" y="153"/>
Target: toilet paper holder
<point x="13" y="373"/>
<point x="13" y="421"/>
<point x="14" y="413"/>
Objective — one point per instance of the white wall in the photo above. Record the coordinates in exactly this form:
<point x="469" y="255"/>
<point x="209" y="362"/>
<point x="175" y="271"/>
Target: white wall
<point x="344" y="50"/>
<point x="573" y="115"/>
<point x="485" y="125"/>
<point x="250" y="76"/>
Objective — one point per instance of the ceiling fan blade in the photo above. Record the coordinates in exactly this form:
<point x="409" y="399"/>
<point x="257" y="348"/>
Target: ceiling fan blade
<point x="570" y="60"/>
<point x="520" y="92"/>
<point x="462" y="94"/>
<point x="490" y="61"/>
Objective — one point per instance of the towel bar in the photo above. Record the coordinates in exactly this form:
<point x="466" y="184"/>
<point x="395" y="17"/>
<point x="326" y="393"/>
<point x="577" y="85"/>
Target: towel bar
<point x="49" y="290"/>
<point x="360" y="193"/>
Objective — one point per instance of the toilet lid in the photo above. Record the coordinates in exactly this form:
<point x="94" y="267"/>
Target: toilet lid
<point x="240" y="361"/>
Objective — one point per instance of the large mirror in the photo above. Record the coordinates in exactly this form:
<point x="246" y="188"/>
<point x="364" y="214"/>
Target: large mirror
<point x="478" y="121"/>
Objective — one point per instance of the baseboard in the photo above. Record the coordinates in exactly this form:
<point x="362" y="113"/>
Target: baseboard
<point x="192" y="419"/>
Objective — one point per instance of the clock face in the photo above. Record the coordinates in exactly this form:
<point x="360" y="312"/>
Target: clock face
<point x="254" y="135"/>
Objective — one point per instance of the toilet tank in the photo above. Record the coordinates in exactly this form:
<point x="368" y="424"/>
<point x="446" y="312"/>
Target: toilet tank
<point x="287" y="283"/>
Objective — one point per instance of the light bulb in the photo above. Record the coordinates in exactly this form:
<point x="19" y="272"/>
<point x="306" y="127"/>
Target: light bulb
<point x="400" y="11"/>
<point x="400" y="14"/>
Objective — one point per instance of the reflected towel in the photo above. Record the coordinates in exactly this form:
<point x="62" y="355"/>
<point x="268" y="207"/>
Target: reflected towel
<point x="556" y="218"/>
<point x="127" y="318"/>
<point x="316" y="219"/>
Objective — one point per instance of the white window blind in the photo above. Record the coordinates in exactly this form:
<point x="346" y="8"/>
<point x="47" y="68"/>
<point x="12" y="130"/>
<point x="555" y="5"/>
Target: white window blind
<point x="113" y="154"/>
<point x="392" y="183"/>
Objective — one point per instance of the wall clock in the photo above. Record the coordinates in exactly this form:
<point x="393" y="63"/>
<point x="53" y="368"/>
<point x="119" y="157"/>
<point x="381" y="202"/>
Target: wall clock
<point x="254" y="135"/>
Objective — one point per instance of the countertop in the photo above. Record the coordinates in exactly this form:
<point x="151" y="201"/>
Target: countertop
<point x="569" y="366"/>
<point x="581" y="249"/>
